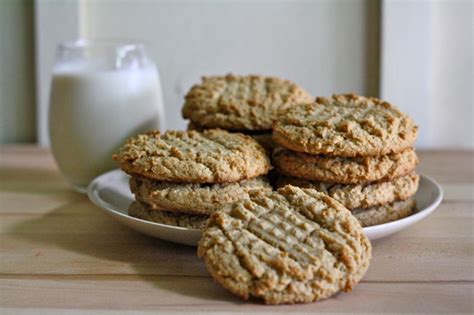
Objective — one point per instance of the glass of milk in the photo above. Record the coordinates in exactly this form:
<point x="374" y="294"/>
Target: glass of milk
<point x="102" y="93"/>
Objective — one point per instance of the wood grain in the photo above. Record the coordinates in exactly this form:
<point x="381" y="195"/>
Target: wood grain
<point x="50" y="244"/>
<point x="59" y="253"/>
<point x="159" y="293"/>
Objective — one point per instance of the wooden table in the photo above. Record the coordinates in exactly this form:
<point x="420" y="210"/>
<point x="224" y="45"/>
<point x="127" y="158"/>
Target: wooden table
<point x="59" y="252"/>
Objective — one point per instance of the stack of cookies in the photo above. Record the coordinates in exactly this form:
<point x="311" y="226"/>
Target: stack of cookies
<point x="247" y="104"/>
<point x="357" y="150"/>
<point x="181" y="177"/>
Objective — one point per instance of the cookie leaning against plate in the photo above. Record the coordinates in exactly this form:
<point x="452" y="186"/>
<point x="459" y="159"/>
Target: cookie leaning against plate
<point x="385" y="213"/>
<point x="354" y="170"/>
<point x="345" y="125"/>
<point x="211" y="156"/>
<point x="288" y="246"/>
<point x="240" y="102"/>
<point x="189" y="221"/>
<point x="192" y="198"/>
<point x="361" y="195"/>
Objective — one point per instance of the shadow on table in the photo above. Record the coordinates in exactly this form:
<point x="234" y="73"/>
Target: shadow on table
<point x="80" y="229"/>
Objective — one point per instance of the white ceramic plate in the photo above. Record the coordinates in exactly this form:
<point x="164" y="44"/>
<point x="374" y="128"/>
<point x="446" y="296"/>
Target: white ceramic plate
<point x="111" y="193"/>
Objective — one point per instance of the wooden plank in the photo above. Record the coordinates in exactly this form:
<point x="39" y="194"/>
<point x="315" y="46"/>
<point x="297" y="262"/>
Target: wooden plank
<point x="27" y="168"/>
<point x="62" y="203"/>
<point x="413" y="259"/>
<point x="26" y="156"/>
<point x="59" y="252"/>
<point x="78" y="244"/>
<point x="458" y="192"/>
<point x="202" y="294"/>
<point x="447" y="167"/>
<point x="123" y="253"/>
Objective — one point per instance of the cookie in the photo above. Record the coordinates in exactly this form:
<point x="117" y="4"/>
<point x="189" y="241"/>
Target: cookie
<point x="288" y="246"/>
<point x="263" y="138"/>
<point x="213" y="156"/>
<point x="385" y="213"/>
<point x="192" y="198"/>
<point x="240" y="102"/>
<point x="342" y="170"/>
<point x="142" y="211"/>
<point x="361" y="195"/>
<point x="345" y="125"/>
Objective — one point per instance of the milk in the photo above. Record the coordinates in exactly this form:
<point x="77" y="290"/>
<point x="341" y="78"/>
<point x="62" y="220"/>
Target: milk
<point x="92" y="113"/>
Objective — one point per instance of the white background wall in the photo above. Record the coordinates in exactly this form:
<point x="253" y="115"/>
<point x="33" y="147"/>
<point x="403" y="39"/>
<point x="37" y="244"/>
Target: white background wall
<point x="17" y="85"/>
<point x="452" y="110"/>
<point x="326" y="46"/>
<point x="427" y="53"/>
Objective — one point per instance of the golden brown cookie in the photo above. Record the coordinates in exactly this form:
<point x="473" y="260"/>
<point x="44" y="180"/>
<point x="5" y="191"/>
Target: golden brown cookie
<point x="240" y="102"/>
<point x="288" y="246"/>
<point x="193" y="198"/>
<point x="345" y="125"/>
<point x="356" y="170"/>
<point x="385" y="213"/>
<point x="213" y="156"/>
<point x="264" y="138"/>
<point x="142" y="211"/>
<point x="361" y="195"/>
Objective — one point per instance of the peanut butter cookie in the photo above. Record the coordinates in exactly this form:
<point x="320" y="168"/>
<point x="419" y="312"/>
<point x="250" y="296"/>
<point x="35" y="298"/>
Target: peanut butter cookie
<point x="264" y="138"/>
<point x="142" y="211"/>
<point x="240" y="102"/>
<point x="361" y="195"/>
<point x="192" y="198"/>
<point x="213" y="156"/>
<point x="356" y="170"/>
<point x="345" y="125"/>
<point x="288" y="246"/>
<point x="385" y="213"/>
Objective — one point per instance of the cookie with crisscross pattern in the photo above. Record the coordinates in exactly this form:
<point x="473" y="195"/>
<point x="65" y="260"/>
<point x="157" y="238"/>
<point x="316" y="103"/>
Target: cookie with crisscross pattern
<point x="345" y="125"/>
<point x="211" y="156"/>
<point x="233" y="102"/>
<point x="288" y="246"/>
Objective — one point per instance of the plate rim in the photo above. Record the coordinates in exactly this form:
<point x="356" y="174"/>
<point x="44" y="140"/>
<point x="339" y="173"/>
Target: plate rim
<point x="420" y="214"/>
<point x="104" y="206"/>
